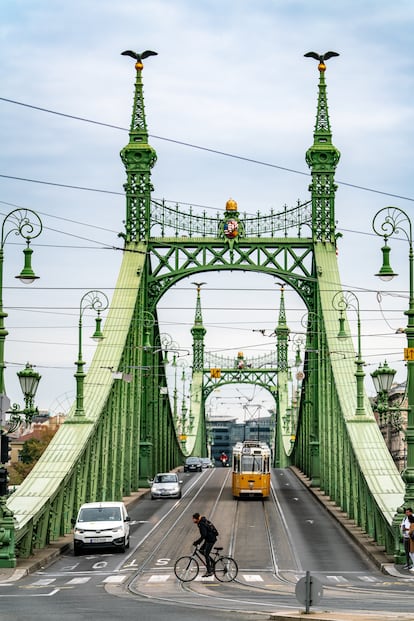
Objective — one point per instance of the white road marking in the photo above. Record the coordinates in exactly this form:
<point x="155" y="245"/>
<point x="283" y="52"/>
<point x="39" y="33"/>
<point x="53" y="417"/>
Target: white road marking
<point x="158" y="578"/>
<point x="252" y="578"/>
<point x="114" y="579"/>
<point x="367" y="578"/>
<point x="79" y="580"/>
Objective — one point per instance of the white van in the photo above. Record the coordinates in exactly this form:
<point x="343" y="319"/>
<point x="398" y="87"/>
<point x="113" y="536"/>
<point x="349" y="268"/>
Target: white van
<point x="101" y="525"/>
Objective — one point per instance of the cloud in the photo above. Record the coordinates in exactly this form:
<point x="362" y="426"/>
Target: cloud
<point x="229" y="76"/>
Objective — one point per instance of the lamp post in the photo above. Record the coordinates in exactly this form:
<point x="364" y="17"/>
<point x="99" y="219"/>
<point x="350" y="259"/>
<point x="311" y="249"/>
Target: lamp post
<point x="18" y="222"/>
<point x="29" y="381"/>
<point x="97" y="301"/>
<point x="183" y="436"/>
<point x="342" y="301"/>
<point x="386" y="223"/>
<point x="383" y="378"/>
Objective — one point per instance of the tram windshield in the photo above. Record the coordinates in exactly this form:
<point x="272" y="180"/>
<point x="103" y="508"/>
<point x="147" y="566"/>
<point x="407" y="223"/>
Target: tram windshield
<point x="252" y="463"/>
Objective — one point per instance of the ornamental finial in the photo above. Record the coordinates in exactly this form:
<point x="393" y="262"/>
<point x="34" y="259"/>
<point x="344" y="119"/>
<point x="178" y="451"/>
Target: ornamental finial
<point x="138" y="57"/>
<point x="321" y="58"/>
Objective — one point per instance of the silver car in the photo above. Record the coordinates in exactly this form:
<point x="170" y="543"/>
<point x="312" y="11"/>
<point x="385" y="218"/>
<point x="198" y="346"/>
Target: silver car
<point x="166" y="485"/>
<point x="206" y="462"/>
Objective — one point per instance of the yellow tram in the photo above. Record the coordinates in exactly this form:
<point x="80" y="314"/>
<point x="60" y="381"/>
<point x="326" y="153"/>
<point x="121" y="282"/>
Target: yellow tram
<point x="251" y="469"/>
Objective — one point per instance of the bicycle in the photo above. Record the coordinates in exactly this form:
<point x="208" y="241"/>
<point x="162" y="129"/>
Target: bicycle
<point x="225" y="568"/>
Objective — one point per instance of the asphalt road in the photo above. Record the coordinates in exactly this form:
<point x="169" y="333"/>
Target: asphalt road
<point x="274" y="542"/>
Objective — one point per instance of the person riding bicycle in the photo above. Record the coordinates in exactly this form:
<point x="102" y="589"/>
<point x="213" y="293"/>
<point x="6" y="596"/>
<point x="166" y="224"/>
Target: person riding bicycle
<point x="209" y="539"/>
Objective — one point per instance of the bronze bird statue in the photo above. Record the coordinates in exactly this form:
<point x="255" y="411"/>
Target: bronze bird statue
<point x="198" y="285"/>
<point x="139" y="57"/>
<point x="321" y="58"/>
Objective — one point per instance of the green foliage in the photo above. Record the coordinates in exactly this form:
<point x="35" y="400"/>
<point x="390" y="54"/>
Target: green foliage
<point x="30" y="454"/>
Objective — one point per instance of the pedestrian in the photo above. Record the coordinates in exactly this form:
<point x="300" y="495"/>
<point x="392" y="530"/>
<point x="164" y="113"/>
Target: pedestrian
<point x="208" y="537"/>
<point x="411" y="539"/>
<point x="405" y="532"/>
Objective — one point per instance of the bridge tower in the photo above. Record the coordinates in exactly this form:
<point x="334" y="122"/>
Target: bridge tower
<point x="128" y="430"/>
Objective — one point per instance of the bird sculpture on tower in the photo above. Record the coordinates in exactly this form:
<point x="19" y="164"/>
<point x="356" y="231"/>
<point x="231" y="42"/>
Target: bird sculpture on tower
<point x="139" y="57"/>
<point x="321" y="58"/>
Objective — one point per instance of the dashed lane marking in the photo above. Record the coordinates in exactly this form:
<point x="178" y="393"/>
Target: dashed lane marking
<point x="82" y="580"/>
<point x="253" y="578"/>
<point x="114" y="579"/>
<point x="159" y="578"/>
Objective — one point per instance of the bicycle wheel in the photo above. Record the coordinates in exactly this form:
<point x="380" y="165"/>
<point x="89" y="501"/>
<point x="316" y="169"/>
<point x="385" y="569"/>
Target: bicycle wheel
<point x="186" y="568"/>
<point x="225" y="569"/>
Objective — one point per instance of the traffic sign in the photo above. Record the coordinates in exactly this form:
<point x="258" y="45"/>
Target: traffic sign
<point x="408" y="353"/>
<point x="308" y="591"/>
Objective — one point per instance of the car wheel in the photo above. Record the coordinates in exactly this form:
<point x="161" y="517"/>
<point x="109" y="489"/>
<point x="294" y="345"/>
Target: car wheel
<point x="76" y="550"/>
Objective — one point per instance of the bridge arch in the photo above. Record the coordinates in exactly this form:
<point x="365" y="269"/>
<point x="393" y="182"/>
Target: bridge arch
<point x="128" y="428"/>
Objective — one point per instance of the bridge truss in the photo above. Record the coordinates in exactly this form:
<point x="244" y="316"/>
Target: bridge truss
<point x="129" y="428"/>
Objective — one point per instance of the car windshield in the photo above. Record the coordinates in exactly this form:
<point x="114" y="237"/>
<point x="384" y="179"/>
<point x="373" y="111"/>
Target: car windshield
<point x="193" y="460"/>
<point x="100" y="514"/>
<point x="165" y="478"/>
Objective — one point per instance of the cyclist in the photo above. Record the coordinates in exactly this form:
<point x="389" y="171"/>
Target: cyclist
<point x="208" y="538"/>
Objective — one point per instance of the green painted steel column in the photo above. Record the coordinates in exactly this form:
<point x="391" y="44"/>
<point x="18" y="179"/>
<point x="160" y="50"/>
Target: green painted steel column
<point x="198" y="331"/>
<point x="19" y="223"/>
<point x="138" y="158"/>
<point x="387" y="222"/>
<point x="322" y="157"/>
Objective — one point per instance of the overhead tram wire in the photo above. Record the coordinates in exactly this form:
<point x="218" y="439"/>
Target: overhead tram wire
<point x="192" y="146"/>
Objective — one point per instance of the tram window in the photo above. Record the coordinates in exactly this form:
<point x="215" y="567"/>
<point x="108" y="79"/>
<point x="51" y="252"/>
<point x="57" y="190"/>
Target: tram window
<point x="236" y="463"/>
<point x="251" y="463"/>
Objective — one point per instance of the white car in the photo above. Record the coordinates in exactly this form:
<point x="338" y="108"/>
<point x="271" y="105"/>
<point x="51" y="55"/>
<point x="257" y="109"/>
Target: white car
<point x="165" y="485"/>
<point x="101" y="525"/>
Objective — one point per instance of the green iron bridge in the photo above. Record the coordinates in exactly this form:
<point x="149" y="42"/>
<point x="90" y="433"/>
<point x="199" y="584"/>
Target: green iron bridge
<point x="121" y="432"/>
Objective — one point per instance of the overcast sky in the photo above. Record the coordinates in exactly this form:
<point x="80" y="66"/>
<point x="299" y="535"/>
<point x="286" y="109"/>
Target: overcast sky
<point x="230" y="76"/>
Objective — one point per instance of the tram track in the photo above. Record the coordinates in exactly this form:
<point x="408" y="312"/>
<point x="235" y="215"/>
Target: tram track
<point x="254" y="532"/>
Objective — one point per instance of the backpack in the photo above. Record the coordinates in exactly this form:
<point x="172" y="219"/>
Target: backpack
<point x="211" y="528"/>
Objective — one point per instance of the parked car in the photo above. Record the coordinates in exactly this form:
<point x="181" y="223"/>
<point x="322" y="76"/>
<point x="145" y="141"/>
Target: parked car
<point x="166" y="485"/>
<point x="206" y="462"/>
<point x="101" y="525"/>
<point x="193" y="464"/>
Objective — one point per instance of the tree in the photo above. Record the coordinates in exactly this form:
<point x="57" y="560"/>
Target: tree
<point x="30" y="454"/>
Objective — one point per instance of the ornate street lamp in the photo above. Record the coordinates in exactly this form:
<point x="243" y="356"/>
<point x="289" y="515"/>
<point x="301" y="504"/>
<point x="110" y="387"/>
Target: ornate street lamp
<point x="97" y="301"/>
<point x="298" y="342"/>
<point x="175" y="395"/>
<point x="342" y="301"/>
<point x="27" y="224"/>
<point x="29" y="381"/>
<point x="383" y="379"/>
<point x="387" y="222"/>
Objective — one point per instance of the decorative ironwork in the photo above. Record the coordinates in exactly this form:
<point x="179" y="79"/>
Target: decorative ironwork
<point x="212" y="361"/>
<point x="175" y="221"/>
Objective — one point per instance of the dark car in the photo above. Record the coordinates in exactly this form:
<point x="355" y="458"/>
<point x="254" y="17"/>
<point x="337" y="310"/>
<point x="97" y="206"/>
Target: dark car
<point x="206" y="462"/>
<point x="193" y="464"/>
